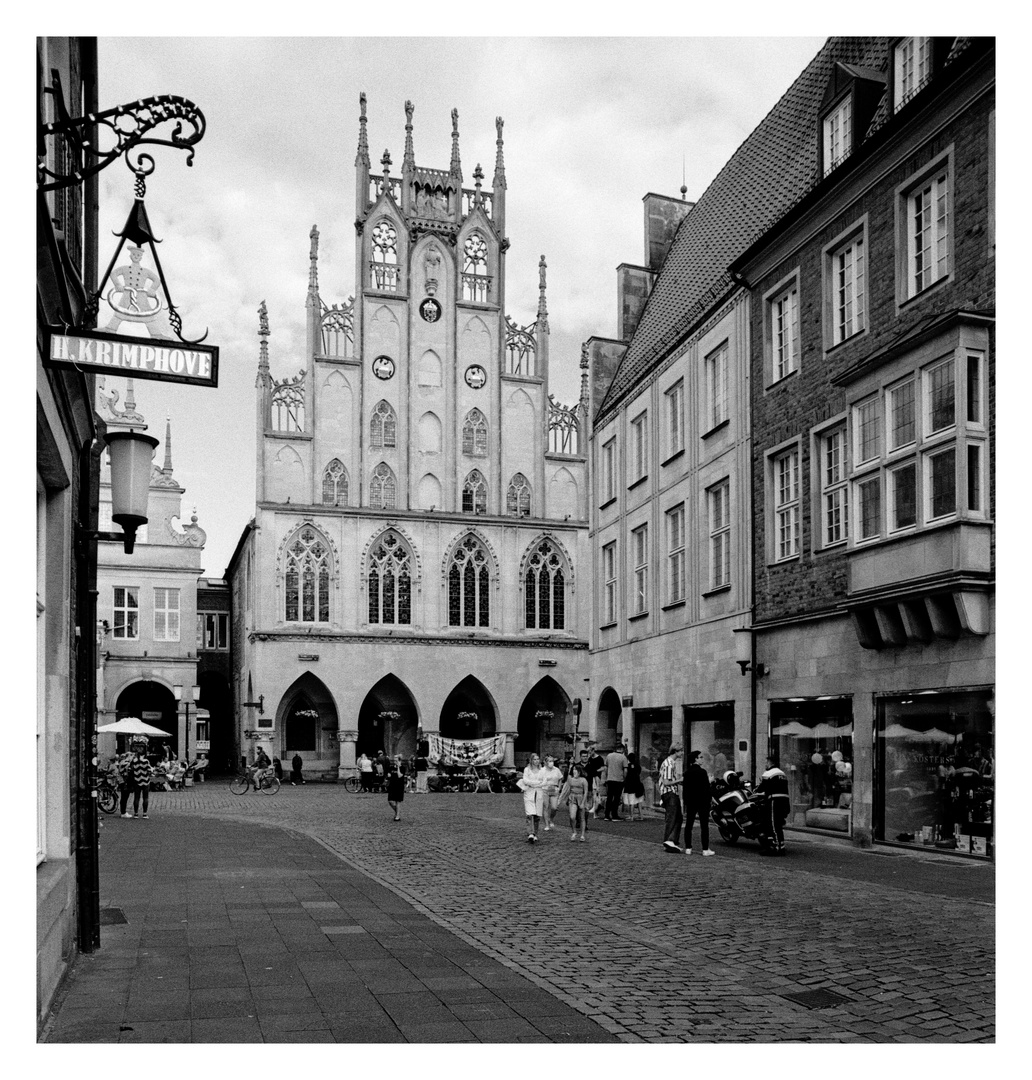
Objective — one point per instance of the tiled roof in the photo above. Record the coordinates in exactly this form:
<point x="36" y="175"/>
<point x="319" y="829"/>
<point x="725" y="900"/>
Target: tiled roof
<point x="767" y="174"/>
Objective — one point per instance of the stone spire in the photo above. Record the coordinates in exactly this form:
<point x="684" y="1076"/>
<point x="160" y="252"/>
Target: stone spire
<point x="584" y="374"/>
<point x="499" y="174"/>
<point x="263" y="347"/>
<point x="167" y="467"/>
<point x="313" y="265"/>
<point x="362" y="157"/>
<point x="410" y="153"/>
<point x="542" y="311"/>
<point x="456" y="165"/>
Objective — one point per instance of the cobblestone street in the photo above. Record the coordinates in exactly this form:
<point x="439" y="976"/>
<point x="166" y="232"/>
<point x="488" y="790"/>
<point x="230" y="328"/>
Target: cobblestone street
<point x="658" y="948"/>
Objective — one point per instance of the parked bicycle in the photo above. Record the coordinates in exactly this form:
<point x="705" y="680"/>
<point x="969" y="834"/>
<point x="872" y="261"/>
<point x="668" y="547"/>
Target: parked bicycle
<point x="268" y="783"/>
<point x="107" y="791"/>
<point x="378" y="784"/>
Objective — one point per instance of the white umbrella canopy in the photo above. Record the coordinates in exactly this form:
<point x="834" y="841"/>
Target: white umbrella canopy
<point x="130" y="725"/>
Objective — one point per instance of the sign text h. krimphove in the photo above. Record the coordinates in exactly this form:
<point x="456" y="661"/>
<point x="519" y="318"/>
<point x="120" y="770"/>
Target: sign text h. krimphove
<point x="139" y="358"/>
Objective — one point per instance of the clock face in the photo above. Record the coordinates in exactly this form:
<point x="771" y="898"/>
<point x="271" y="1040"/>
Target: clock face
<point x="383" y="367"/>
<point x="430" y="310"/>
<point x="476" y="376"/>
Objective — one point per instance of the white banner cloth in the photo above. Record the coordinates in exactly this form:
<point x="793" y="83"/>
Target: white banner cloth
<point x="466" y="751"/>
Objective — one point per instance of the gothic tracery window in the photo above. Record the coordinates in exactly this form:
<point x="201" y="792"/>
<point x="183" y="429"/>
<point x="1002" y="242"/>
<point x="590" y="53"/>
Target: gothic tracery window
<point x="383" y="427"/>
<point x="469" y="585"/>
<point x="517" y="500"/>
<point x="545" y="589"/>
<point x="474" y="493"/>
<point x="383" y="488"/>
<point x="474" y="434"/>
<point x="384" y="264"/>
<point x="307" y="578"/>
<point x="476" y="285"/>
<point x="390" y="582"/>
<point x="335" y="484"/>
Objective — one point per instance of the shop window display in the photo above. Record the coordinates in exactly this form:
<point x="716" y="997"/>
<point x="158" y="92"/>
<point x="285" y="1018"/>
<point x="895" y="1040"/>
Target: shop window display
<point x="935" y="767"/>
<point x="711" y="730"/>
<point x="655" y="734"/>
<point x="812" y="742"/>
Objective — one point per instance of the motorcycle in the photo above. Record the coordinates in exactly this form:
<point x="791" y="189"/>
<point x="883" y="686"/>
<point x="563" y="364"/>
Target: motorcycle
<point x="737" y="811"/>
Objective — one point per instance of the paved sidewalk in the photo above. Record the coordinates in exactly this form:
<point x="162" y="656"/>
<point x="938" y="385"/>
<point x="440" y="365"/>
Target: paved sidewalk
<point x="248" y="933"/>
<point x="830" y="944"/>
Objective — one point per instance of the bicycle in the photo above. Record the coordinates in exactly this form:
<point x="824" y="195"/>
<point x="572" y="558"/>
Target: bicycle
<point x="268" y="784"/>
<point x="107" y="793"/>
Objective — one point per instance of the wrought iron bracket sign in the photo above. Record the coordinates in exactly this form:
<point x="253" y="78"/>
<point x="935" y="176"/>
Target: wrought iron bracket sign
<point x="131" y="125"/>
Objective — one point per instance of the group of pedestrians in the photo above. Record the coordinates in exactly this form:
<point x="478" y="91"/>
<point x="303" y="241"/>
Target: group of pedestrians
<point x="684" y="791"/>
<point x="591" y="784"/>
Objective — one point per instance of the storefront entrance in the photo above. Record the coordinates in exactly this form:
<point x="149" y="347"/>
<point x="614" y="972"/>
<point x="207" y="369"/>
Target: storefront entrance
<point x="711" y="730"/>
<point x="811" y="740"/>
<point x="154" y="704"/>
<point x="935" y="766"/>
<point x="653" y="729"/>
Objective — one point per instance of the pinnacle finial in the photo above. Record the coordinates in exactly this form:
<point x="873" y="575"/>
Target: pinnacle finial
<point x="542" y="306"/>
<point x="168" y="444"/>
<point x="499" y="173"/>
<point x="410" y="154"/>
<point x="263" y="320"/>
<point x="313" y="259"/>
<point x="385" y="161"/>
<point x="130" y="400"/>
<point x="456" y="165"/>
<point x="362" y="158"/>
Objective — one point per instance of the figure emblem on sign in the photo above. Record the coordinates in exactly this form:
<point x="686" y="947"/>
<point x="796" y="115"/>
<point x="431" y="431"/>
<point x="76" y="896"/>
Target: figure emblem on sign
<point x="133" y="296"/>
<point x="476" y="376"/>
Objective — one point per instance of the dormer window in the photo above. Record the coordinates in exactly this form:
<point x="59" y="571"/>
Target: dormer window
<point x="838" y="134"/>
<point x="912" y="68"/>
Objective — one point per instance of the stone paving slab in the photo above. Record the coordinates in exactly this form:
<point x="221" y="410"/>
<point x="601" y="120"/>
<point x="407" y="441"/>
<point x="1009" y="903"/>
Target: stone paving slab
<point x="665" y="949"/>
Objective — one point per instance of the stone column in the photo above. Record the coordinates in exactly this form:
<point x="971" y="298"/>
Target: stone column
<point x="347" y="766"/>
<point x="509" y="761"/>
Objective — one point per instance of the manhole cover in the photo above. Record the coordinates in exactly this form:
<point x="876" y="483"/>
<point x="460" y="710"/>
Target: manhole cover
<point x="112" y="916"/>
<point x="817" y="999"/>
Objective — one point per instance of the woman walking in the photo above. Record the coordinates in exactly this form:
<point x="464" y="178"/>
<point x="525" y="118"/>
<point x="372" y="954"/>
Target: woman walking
<point x="395" y="787"/>
<point x="634" y="789"/>
<point x="575" y="795"/>
<point x="553" y="782"/>
<point x="533" y="788"/>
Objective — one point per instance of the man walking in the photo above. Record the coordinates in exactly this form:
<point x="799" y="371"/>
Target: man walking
<point x="670" y="778"/>
<point x="696" y="801"/>
<point x="616" y="773"/>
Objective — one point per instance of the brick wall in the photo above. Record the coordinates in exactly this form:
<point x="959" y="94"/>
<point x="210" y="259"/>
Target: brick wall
<point x="817" y="581"/>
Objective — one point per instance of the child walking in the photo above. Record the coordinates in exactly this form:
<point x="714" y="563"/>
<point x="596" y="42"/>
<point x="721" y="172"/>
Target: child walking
<point x="575" y="795"/>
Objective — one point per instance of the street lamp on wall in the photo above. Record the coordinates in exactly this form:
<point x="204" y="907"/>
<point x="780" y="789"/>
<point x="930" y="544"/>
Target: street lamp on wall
<point x="132" y="454"/>
<point x="745" y="652"/>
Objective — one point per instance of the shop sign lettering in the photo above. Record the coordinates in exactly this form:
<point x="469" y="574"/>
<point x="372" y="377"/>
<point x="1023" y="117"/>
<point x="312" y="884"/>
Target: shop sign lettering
<point x="112" y="353"/>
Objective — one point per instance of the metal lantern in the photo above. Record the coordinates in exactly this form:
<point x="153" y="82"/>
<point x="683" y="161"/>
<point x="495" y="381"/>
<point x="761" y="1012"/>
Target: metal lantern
<point x="131" y="456"/>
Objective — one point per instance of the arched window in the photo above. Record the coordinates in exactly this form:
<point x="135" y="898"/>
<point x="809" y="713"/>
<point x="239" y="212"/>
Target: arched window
<point x="469" y="585"/>
<point x="476" y="285"/>
<point x="474" y="434"/>
<point x="383" y="488"/>
<point x="307" y="578"/>
<point x="517" y="501"/>
<point x="474" y="493"/>
<point x="390" y="582"/>
<point x="545" y="589"/>
<point x="383" y="427"/>
<point x="384" y="264"/>
<point x="335" y="484"/>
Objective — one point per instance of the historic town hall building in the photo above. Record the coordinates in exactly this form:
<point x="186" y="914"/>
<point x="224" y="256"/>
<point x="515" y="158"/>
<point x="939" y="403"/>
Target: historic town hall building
<point x="417" y="556"/>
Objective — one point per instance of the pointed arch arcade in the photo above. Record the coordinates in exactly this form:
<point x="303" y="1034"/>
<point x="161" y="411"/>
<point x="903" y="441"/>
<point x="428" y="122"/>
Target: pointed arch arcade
<point x="307" y="718"/>
<point x="544" y="723"/>
<point x="388" y="719"/>
<point x="469" y="711"/>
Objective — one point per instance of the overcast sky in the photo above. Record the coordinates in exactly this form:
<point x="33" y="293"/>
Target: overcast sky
<point x="591" y="125"/>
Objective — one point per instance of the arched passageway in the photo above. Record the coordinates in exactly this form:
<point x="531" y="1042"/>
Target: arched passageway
<point x="608" y="730"/>
<point x="545" y="724"/>
<point x="154" y="704"/>
<point x="217" y="702"/>
<point x="469" y="712"/>
<point x="307" y="720"/>
<point x="388" y="720"/>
